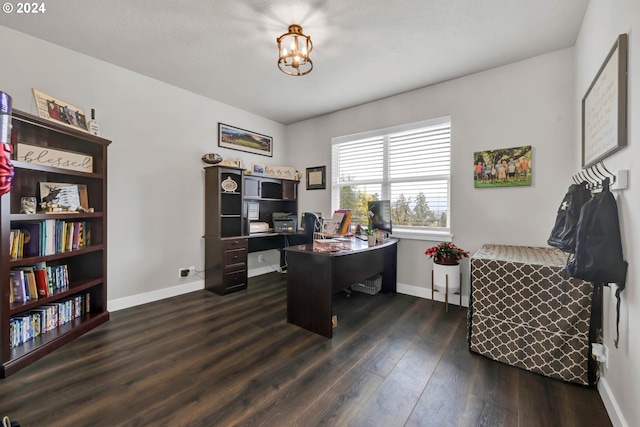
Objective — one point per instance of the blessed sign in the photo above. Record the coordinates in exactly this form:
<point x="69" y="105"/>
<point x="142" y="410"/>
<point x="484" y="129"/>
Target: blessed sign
<point x="56" y="158"/>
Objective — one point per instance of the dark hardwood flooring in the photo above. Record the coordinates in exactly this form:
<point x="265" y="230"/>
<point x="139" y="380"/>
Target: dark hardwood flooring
<point x="204" y="360"/>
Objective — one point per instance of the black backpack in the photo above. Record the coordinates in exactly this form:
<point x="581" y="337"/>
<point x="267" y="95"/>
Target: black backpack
<point x="563" y="234"/>
<point x="598" y="252"/>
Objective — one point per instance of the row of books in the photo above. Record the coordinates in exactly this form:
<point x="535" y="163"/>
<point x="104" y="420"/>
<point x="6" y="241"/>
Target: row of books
<point x="25" y="327"/>
<point x="47" y="237"/>
<point x="37" y="281"/>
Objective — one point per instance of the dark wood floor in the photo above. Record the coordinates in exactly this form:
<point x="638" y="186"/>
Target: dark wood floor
<point x="204" y="360"/>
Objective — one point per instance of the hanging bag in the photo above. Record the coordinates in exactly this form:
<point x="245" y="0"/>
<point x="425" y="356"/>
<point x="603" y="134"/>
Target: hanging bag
<point x="598" y="253"/>
<point x="563" y="234"/>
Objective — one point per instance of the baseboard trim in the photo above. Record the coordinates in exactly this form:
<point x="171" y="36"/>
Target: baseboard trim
<point x="174" y="291"/>
<point x="610" y="404"/>
<point x="420" y="292"/>
<point x="263" y="270"/>
<point x="147" y="297"/>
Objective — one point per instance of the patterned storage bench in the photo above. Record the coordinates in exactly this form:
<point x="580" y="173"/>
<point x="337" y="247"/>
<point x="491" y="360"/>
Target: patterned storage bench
<point x="522" y="312"/>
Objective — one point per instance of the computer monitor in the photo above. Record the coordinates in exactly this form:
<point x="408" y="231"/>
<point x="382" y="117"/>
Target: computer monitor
<point x="381" y="219"/>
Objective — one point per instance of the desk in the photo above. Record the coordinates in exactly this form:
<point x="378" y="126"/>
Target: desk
<point x="313" y="278"/>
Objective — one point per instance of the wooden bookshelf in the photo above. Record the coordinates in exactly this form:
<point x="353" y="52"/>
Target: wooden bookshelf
<point x="87" y="265"/>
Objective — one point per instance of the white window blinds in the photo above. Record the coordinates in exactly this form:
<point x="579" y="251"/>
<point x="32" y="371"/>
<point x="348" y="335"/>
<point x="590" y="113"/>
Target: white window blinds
<point x="409" y="165"/>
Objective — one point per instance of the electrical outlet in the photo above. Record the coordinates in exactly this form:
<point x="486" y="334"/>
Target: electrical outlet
<point x="261" y="258"/>
<point x="183" y="272"/>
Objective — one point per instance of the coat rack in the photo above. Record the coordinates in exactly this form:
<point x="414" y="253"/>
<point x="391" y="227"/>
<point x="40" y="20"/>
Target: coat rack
<point x="597" y="177"/>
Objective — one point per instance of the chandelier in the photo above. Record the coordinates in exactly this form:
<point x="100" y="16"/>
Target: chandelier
<point x="294" y="48"/>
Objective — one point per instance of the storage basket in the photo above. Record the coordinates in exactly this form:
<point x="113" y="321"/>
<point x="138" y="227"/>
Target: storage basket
<point x="370" y="286"/>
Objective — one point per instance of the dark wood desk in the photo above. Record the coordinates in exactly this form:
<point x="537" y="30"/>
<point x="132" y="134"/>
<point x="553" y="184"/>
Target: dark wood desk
<point x="313" y="277"/>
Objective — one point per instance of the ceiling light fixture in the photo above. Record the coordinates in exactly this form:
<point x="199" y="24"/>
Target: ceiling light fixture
<point x="294" y="48"/>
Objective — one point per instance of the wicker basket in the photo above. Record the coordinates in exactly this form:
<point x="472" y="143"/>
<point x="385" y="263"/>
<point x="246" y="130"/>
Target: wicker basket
<point x="370" y="286"/>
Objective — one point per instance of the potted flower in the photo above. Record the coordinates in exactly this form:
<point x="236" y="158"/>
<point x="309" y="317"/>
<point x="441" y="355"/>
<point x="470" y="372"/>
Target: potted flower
<point x="371" y="232"/>
<point x="446" y="253"/>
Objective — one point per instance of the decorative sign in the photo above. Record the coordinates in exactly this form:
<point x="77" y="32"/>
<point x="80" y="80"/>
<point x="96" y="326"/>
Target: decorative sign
<point x="55" y="158"/>
<point x="283" y="172"/>
<point x="604" y="107"/>
<point x="59" y="111"/>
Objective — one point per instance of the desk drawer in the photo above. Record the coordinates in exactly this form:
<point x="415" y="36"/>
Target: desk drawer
<point x="235" y="257"/>
<point x="233" y="244"/>
<point x="235" y="279"/>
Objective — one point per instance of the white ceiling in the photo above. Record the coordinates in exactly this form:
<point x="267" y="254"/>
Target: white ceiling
<point x="364" y="50"/>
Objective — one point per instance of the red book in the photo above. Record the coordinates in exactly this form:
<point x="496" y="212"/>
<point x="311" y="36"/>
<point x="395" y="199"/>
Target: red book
<point x="42" y="284"/>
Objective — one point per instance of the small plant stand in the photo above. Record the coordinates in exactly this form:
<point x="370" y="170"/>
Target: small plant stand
<point x="445" y="271"/>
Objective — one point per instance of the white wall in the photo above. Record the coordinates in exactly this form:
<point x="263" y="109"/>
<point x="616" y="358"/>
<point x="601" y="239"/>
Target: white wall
<point x="526" y="103"/>
<point x="155" y="176"/>
<point x="603" y="22"/>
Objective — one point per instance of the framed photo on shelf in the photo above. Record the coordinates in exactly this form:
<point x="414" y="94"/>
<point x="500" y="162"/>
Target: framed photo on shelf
<point x="72" y="195"/>
<point x="257" y="169"/>
<point x="604" y="107"/>
<point x="51" y="108"/>
<point x="316" y="178"/>
<point x="244" y="140"/>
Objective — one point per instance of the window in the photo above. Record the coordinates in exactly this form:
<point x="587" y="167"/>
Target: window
<point x="407" y="164"/>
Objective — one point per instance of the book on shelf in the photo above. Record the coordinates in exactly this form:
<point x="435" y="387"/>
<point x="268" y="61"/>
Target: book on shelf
<point x="31" y="232"/>
<point x="30" y="281"/>
<point x="18" y="286"/>
<point x="42" y="282"/>
<point x="14" y="236"/>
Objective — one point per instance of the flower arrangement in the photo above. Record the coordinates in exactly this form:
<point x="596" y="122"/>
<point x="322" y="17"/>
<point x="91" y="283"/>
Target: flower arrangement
<point x="370" y="230"/>
<point x="446" y="250"/>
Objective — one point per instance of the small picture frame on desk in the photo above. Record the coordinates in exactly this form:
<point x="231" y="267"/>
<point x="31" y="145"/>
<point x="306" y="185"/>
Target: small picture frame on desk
<point x="316" y="178"/>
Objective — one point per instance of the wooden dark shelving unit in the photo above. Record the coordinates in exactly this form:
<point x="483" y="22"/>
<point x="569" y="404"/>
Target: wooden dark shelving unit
<point x="227" y="240"/>
<point x="87" y="266"/>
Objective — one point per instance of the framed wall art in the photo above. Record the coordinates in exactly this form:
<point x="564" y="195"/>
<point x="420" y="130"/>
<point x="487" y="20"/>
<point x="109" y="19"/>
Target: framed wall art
<point x="244" y="140"/>
<point x="604" y="107"/>
<point x="316" y="178"/>
<point x="51" y="108"/>
<point x="504" y="167"/>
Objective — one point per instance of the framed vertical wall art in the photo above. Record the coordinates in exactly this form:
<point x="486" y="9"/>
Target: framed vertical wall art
<point x="316" y="178"/>
<point x="604" y="107"/>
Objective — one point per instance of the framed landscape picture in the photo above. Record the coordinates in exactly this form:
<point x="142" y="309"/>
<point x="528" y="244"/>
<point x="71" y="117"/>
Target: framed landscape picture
<point x="504" y="167"/>
<point x="244" y="140"/>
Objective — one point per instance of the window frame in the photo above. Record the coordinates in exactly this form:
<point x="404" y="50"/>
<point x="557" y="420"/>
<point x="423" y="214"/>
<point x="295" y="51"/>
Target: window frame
<point x="409" y="232"/>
